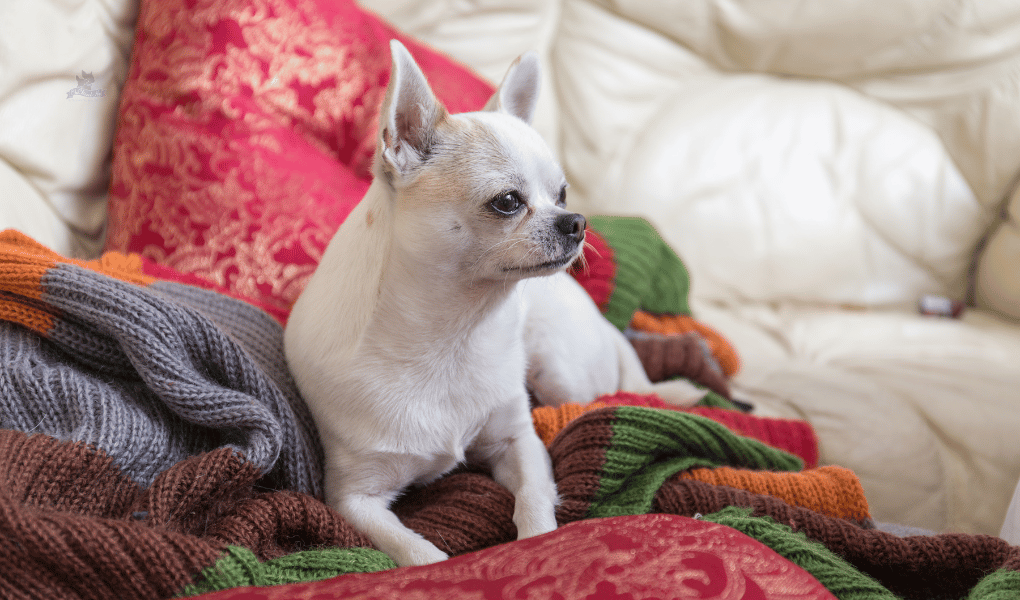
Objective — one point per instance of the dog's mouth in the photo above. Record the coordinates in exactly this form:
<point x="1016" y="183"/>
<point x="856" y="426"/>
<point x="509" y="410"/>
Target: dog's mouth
<point x="551" y="265"/>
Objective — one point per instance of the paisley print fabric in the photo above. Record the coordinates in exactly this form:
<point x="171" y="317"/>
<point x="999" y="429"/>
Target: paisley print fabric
<point x="644" y="556"/>
<point x="246" y="135"/>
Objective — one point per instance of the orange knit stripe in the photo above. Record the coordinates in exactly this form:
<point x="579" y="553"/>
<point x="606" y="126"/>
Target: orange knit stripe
<point x="21" y="272"/>
<point x="550" y="420"/>
<point x="38" y="319"/>
<point x="721" y="349"/>
<point x="126" y="267"/>
<point x="23" y="262"/>
<point x="830" y="490"/>
<point x="17" y="250"/>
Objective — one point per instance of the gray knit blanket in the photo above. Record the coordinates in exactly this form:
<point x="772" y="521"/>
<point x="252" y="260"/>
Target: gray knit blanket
<point x="149" y="374"/>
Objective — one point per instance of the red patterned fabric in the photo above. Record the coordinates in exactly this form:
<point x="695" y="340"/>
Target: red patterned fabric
<point x="645" y="556"/>
<point x="246" y="135"/>
<point x="165" y="273"/>
<point x="597" y="270"/>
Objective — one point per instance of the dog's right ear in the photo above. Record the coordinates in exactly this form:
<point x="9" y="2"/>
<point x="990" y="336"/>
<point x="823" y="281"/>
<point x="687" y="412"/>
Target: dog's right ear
<point x="518" y="93"/>
<point x="410" y="114"/>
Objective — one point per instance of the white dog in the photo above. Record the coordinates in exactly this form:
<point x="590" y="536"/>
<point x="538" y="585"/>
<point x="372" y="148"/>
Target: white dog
<point x="412" y="340"/>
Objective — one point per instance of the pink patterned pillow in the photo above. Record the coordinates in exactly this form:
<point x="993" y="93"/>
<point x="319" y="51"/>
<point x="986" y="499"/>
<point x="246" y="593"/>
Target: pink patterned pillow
<point x="641" y="556"/>
<point x="246" y="134"/>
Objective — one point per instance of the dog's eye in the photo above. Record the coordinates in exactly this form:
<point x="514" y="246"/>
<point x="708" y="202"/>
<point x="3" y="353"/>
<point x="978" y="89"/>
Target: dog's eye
<point x="506" y="203"/>
<point x="562" y="200"/>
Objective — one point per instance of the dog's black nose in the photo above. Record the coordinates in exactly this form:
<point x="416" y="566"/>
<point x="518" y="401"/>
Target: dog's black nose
<point x="572" y="225"/>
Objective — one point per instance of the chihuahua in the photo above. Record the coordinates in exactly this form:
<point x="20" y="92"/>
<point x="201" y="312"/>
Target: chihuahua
<point x="441" y="302"/>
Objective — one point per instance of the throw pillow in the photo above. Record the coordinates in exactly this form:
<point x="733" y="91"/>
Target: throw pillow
<point x="246" y="134"/>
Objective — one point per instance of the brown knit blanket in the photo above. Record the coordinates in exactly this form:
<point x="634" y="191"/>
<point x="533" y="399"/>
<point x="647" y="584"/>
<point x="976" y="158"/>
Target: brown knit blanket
<point x="73" y="526"/>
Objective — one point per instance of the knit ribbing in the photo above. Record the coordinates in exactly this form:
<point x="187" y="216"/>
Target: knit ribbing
<point x="830" y="490"/>
<point x="154" y="498"/>
<point x="461" y="512"/>
<point x="149" y="374"/>
<point x="25" y="261"/>
<point x="240" y="567"/>
<point x="917" y="567"/>
<point x="66" y="529"/>
<point x="686" y="355"/>
<point x="628" y="270"/>
<point x="72" y="524"/>
<point x="579" y="455"/>
<point x="550" y="420"/>
<point x="183" y="521"/>
<point x="647" y="446"/>
<point x="649" y="275"/>
<point x="793" y="436"/>
<point x="678" y="324"/>
<point x="1003" y="584"/>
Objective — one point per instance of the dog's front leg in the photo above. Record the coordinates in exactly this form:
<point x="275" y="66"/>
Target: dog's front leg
<point x="520" y="463"/>
<point x="362" y="491"/>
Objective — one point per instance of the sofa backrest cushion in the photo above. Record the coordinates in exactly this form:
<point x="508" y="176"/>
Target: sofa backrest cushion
<point x="998" y="273"/>
<point x="837" y="153"/>
<point x="62" y="65"/>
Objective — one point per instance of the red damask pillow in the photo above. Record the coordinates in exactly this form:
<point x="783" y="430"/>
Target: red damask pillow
<point x="246" y="133"/>
<point x="642" y="556"/>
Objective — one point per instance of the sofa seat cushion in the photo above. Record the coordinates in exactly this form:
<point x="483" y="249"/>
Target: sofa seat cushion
<point x="922" y="409"/>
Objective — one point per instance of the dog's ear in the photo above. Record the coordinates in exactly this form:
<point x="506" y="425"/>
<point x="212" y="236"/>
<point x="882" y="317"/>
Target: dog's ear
<point x="410" y="114"/>
<point x="518" y="93"/>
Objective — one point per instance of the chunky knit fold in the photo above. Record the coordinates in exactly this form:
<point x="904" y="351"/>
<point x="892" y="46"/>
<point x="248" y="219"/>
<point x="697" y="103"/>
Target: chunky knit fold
<point x="151" y="372"/>
<point x="830" y="490"/>
<point x="631" y="451"/>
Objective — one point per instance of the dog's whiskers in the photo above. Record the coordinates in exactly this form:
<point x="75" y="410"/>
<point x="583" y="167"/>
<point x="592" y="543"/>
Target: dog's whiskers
<point x="500" y="250"/>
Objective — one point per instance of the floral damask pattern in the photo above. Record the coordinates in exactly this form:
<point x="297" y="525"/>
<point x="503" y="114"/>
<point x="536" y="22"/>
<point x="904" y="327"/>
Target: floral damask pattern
<point x="644" y="556"/>
<point x="246" y="134"/>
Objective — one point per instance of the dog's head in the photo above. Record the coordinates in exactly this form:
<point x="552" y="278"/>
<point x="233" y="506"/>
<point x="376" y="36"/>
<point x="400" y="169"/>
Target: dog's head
<point x="480" y="192"/>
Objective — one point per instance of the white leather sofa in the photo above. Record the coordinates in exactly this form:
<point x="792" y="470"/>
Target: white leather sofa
<point x="819" y="167"/>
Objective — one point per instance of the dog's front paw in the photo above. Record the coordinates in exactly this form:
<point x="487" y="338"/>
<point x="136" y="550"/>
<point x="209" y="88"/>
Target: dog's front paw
<point x="535" y="522"/>
<point x="418" y="553"/>
<point x="533" y="529"/>
<point x="678" y="392"/>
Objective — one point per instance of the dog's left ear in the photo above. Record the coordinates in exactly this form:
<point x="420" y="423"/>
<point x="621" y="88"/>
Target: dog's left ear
<point x="410" y="114"/>
<point x="518" y="93"/>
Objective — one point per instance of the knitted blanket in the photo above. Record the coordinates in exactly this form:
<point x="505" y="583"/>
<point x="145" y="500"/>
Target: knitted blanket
<point x="149" y="371"/>
<point x="152" y="444"/>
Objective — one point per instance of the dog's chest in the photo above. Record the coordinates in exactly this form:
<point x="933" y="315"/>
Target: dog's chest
<point x="441" y="396"/>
